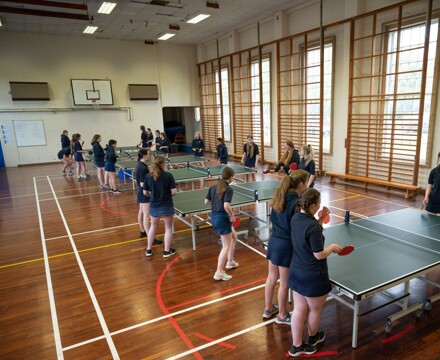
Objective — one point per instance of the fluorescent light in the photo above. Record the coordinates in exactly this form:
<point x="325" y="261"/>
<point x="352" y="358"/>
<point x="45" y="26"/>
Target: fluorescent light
<point x="166" y="36"/>
<point x="90" y="29"/>
<point x="106" y="7"/>
<point x="1" y="22"/>
<point x="197" y="18"/>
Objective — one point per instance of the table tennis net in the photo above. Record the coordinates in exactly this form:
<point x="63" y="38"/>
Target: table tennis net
<point x="200" y="169"/>
<point x="391" y="233"/>
<point x="251" y="193"/>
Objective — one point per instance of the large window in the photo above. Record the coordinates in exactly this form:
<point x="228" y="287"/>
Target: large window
<point x="312" y="92"/>
<point x="255" y="94"/>
<point x="403" y="87"/>
<point x="224" y="84"/>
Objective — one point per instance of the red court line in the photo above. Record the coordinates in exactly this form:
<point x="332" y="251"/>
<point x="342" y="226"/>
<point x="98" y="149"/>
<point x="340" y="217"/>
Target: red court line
<point x="317" y="354"/>
<point x="165" y="310"/>
<point x="226" y="345"/>
<point x="217" y="293"/>
<point x="398" y="335"/>
<point x="103" y="207"/>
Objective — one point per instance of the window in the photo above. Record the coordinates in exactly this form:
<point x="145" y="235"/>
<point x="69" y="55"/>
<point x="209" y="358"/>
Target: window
<point x="255" y="95"/>
<point x="312" y="93"/>
<point x="224" y="101"/>
<point x="401" y="112"/>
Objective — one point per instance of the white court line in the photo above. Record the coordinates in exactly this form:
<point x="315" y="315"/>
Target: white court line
<point x="166" y="316"/>
<point x="109" y="339"/>
<point x="71" y="196"/>
<point x="53" y="311"/>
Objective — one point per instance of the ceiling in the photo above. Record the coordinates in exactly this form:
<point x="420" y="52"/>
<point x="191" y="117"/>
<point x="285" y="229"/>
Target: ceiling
<point x="138" y="19"/>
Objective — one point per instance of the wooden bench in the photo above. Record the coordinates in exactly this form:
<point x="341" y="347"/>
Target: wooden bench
<point x="411" y="190"/>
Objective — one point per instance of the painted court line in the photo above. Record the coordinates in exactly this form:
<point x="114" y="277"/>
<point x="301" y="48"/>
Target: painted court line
<point x="53" y="311"/>
<point x="109" y="339"/>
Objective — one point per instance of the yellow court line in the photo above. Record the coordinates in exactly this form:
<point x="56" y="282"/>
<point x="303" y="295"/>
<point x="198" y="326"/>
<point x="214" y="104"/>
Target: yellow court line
<point x="90" y="249"/>
<point x="345" y="198"/>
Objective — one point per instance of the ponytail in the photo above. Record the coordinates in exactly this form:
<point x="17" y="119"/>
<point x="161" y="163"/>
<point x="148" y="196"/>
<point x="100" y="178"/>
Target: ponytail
<point x="156" y="168"/>
<point x="289" y="183"/>
<point x="222" y="185"/>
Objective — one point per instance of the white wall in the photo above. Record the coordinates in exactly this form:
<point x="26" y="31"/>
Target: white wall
<point x="56" y="60"/>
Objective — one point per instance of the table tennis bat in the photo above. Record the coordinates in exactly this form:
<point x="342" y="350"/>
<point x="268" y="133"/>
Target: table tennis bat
<point x="293" y="166"/>
<point x="236" y="223"/>
<point x="348" y="249"/>
<point x="326" y="219"/>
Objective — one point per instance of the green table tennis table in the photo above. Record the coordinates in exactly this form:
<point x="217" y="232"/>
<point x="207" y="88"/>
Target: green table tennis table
<point x="191" y="173"/>
<point x="192" y="203"/>
<point x="390" y="249"/>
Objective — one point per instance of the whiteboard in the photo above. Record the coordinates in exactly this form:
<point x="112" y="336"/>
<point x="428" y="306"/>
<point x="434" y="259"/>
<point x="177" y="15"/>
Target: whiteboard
<point x="29" y="133"/>
<point x="85" y="90"/>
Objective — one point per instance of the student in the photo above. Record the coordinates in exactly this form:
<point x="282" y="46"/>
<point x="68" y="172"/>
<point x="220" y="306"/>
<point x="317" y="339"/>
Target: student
<point x="99" y="160"/>
<point x="141" y="172"/>
<point x="144" y="138"/>
<point x="280" y="249"/>
<point x="156" y="140"/>
<point x="308" y="278"/>
<point x="161" y="187"/>
<point x="198" y="144"/>
<point x="65" y="141"/>
<point x="307" y="163"/>
<point x="110" y="169"/>
<point x="163" y="145"/>
<point x="289" y="157"/>
<point x="251" y="155"/>
<point x="222" y="151"/>
<point x="78" y="157"/>
<point x="222" y="217"/>
<point x="432" y="193"/>
<point x="64" y="156"/>
<point x="150" y="138"/>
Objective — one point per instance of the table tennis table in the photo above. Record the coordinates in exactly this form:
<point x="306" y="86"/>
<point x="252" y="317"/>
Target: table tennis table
<point x="192" y="203"/>
<point x="390" y="249"/>
<point x="191" y="173"/>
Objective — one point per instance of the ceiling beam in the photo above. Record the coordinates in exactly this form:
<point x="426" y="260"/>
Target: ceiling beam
<point x="50" y="3"/>
<point x="56" y="14"/>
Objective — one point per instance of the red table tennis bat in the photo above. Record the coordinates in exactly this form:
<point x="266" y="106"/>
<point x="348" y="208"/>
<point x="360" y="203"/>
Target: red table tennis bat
<point x="236" y="223"/>
<point x="326" y="219"/>
<point x="346" y="250"/>
<point x="293" y="166"/>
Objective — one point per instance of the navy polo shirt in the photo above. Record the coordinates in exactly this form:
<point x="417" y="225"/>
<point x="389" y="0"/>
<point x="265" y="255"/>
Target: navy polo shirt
<point x="281" y="220"/>
<point x="160" y="190"/>
<point x="217" y="204"/>
<point x="434" y="180"/>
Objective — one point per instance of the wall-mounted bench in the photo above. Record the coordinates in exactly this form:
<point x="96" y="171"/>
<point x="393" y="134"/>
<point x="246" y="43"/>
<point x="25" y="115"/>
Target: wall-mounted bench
<point x="411" y="190"/>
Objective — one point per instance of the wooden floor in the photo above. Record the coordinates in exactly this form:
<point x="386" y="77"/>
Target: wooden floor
<point x="74" y="278"/>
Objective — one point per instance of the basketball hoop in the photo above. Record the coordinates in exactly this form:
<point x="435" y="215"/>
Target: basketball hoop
<point x="94" y="103"/>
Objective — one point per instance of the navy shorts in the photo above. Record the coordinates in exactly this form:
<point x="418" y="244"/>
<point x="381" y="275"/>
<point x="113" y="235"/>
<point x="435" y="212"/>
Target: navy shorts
<point x="110" y="167"/>
<point x="309" y="283"/>
<point x="99" y="164"/>
<point x="249" y="162"/>
<point x="430" y="207"/>
<point x="221" y="223"/>
<point x="162" y="211"/>
<point x="141" y="198"/>
<point x="78" y="157"/>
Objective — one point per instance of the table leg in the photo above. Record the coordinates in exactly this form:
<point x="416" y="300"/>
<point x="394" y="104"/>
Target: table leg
<point x="355" y="324"/>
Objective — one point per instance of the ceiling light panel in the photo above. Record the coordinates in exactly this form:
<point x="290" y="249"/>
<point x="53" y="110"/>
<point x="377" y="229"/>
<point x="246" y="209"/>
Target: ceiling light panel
<point x="90" y="29"/>
<point x="106" y="7"/>
<point x="166" y="36"/>
<point x="196" y="19"/>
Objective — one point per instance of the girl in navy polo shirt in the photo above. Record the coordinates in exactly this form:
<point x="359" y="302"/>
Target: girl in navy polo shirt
<point x="144" y="138"/>
<point x="222" y="217"/>
<point x="161" y="187"/>
<point x="99" y="159"/>
<point x="64" y="156"/>
<point x="432" y="193"/>
<point x="308" y="278"/>
<point x="110" y="169"/>
<point x="279" y="252"/>
<point x="156" y="140"/>
<point x="289" y="157"/>
<point x="251" y="155"/>
<point x="222" y="151"/>
<point x="78" y="157"/>
<point x="198" y="145"/>
<point x="164" y="145"/>
<point x="307" y="163"/>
